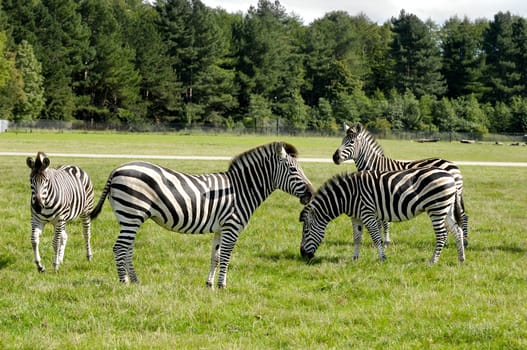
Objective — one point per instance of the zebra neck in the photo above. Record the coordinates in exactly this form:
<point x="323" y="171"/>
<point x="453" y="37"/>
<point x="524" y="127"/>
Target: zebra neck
<point x="375" y="161"/>
<point x="329" y="212"/>
<point x="251" y="189"/>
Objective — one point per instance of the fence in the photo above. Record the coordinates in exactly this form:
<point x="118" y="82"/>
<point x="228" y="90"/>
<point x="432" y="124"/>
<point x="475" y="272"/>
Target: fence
<point x="424" y="136"/>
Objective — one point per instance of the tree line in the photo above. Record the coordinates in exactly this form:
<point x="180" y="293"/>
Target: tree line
<point x="179" y="62"/>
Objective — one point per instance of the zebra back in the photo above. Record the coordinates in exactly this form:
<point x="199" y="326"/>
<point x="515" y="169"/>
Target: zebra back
<point x="390" y="196"/>
<point x="369" y="196"/>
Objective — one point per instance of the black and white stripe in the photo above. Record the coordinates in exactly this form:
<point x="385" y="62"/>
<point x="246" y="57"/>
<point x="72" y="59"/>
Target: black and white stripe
<point x="361" y="147"/>
<point x="221" y="202"/>
<point x="58" y="195"/>
<point x="370" y="196"/>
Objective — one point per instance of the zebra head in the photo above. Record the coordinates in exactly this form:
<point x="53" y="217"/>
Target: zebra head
<point x="289" y="176"/>
<point x="312" y="232"/>
<point x="346" y="150"/>
<point x="39" y="180"/>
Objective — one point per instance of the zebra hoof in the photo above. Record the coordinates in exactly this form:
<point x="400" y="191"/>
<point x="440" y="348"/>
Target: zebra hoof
<point x="89" y="257"/>
<point x="465" y="242"/>
<point x="41" y="269"/>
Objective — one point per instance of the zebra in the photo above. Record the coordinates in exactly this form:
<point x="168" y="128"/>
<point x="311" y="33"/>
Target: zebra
<point x="221" y="203"/>
<point x="372" y="196"/>
<point x="360" y="146"/>
<point x="58" y="195"/>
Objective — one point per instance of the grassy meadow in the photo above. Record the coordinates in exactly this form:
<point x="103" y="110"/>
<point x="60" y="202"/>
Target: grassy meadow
<point x="273" y="299"/>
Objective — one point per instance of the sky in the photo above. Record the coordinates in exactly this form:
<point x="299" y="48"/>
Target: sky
<point x="382" y="10"/>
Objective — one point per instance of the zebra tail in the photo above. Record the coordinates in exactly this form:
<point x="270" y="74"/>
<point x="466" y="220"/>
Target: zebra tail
<point x="97" y="210"/>
<point x="459" y="209"/>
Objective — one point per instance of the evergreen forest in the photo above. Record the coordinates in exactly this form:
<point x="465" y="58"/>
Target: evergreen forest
<point x="180" y="63"/>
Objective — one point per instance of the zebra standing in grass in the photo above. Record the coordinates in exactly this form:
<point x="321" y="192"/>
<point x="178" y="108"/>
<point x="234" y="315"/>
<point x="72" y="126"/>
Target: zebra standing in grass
<point x="360" y="146"/>
<point x="370" y="196"/>
<point x="58" y="195"/>
<point x="221" y="202"/>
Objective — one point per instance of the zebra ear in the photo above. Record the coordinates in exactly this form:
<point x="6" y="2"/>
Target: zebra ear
<point x="358" y="127"/>
<point x="346" y="128"/>
<point x="30" y="162"/>
<point x="355" y="129"/>
<point x="41" y="162"/>
<point x="45" y="163"/>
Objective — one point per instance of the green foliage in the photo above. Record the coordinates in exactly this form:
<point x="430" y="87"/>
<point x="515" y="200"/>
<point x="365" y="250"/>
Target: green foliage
<point x="5" y="63"/>
<point x="181" y="63"/>
<point x="11" y="82"/>
<point x="463" y="59"/>
<point x="31" y="106"/>
<point x="417" y="62"/>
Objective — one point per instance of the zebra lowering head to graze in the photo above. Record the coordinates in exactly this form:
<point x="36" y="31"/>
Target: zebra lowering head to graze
<point x="58" y="195"/>
<point x="370" y="196"/>
<point x="221" y="202"/>
<point x="361" y="147"/>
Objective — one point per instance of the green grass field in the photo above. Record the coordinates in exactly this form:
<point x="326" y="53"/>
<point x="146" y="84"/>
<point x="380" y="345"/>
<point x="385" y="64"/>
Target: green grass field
<point x="274" y="299"/>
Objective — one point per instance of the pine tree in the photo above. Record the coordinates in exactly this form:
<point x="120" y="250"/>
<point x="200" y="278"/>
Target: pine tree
<point x="31" y="106"/>
<point x="111" y="82"/>
<point x="501" y="75"/>
<point x="463" y="60"/>
<point x="416" y="57"/>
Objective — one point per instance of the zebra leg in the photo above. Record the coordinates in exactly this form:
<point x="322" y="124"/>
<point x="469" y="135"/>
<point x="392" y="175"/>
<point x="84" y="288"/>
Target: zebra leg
<point x="386" y="228"/>
<point x="465" y="229"/>
<point x="122" y="250"/>
<point x="130" y="266"/>
<point x="458" y="233"/>
<point x="36" y="231"/>
<point x="62" y="245"/>
<point x="438" y="222"/>
<point x="59" y="243"/>
<point x="372" y="224"/>
<point x="227" y="245"/>
<point x="214" y="259"/>
<point x="357" y="237"/>
<point x="86" y="231"/>
<point x="119" y="252"/>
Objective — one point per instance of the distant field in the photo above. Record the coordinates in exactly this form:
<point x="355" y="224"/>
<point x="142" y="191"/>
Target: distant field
<point x="273" y="299"/>
<point x="230" y="145"/>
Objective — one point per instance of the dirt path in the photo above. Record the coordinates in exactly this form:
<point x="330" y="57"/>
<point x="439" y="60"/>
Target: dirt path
<point x="306" y="160"/>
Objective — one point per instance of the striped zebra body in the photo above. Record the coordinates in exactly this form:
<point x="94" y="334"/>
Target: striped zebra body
<point x="361" y="147"/>
<point x="58" y="195"/>
<point x="372" y="196"/>
<point x="221" y="203"/>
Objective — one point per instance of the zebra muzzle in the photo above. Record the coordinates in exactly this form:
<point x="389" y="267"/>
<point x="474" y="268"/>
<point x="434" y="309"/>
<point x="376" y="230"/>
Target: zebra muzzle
<point x="305" y="254"/>
<point x="336" y="157"/>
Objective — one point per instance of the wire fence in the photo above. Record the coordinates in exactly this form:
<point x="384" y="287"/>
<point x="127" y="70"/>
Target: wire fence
<point x="417" y="135"/>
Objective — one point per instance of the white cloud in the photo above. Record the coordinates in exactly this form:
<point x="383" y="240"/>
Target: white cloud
<point x="382" y="10"/>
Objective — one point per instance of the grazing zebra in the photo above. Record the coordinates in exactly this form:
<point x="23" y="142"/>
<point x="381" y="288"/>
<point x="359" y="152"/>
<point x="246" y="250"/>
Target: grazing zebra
<point x="221" y="202"/>
<point x="360" y="145"/>
<point x="58" y="195"/>
<point x="370" y="196"/>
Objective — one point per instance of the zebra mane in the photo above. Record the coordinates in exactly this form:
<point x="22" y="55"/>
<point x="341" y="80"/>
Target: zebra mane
<point x="268" y="148"/>
<point x="358" y="129"/>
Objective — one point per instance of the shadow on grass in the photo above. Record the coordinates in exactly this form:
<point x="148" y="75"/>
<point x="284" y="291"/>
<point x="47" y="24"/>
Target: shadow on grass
<point x="5" y="261"/>
<point x="289" y="255"/>
<point x="507" y="248"/>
